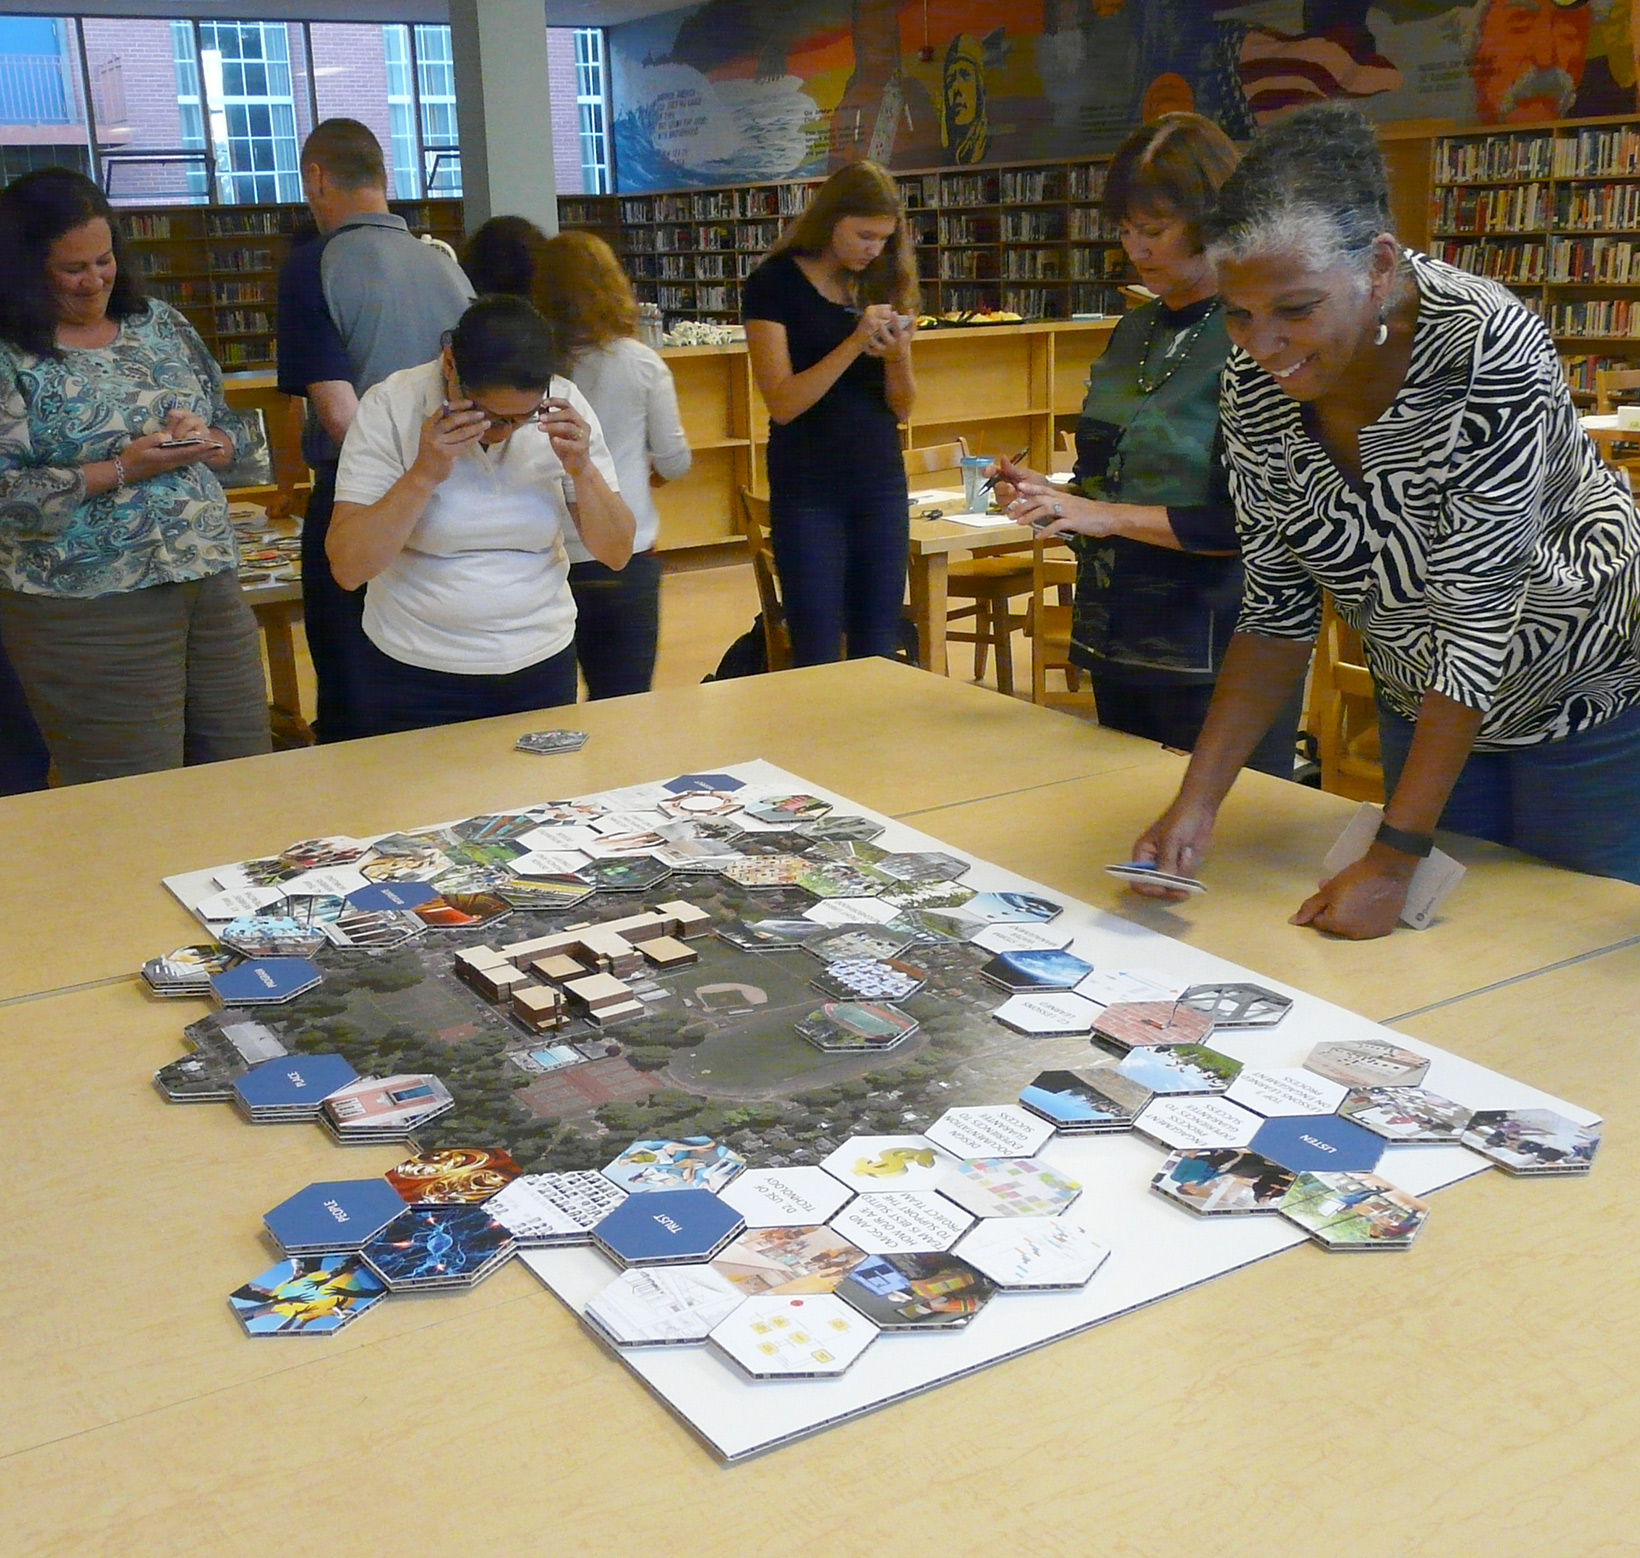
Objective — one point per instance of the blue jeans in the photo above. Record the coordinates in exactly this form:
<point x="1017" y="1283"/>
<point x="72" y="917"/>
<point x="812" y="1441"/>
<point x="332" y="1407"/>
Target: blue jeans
<point x="617" y="624"/>
<point x="840" y="551"/>
<point x="394" y="696"/>
<point x="1574" y="802"/>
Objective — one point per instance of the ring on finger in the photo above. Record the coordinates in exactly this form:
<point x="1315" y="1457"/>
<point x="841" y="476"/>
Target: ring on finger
<point x="1059" y="511"/>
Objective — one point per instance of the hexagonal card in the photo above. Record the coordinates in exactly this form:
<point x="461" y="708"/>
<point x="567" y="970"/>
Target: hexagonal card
<point x="430" y="1247"/>
<point x="1009" y="1187"/>
<point x="1020" y="936"/>
<point x="1282" y="1090"/>
<point x="1367" y="1063"/>
<point x="806" y="1337"/>
<point x="990" y="1131"/>
<point x="314" y="1295"/>
<point x="631" y="874"/>
<point x="376" y="930"/>
<point x="1354" y="1211"/>
<point x="699" y="803"/>
<point x="786" y="1197"/>
<point x="333" y="1217"/>
<point x="1137" y="1024"/>
<point x="902" y="1221"/>
<point x="1025" y="1253"/>
<point x="788" y="1260"/>
<point x="1036" y="970"/>
<point x="1406" y="1114"/>
<point x="764" y="870"/>
<point x="691" y="1163"/>
<point x="851" y="911"/>
<point x="317" y="854"/>
<point x="502" y="827"/>
<point x="271" y="936"/>
<point x="662" y="1306"/>
<point x="923" y="866"/>
<point x="918" y="1291"/>
<point x="1318" y="1143"/>
<point x="837" y="826"/>
<point x="996" y="908"/>
<point x="414" y="864"/>
<point x="1237" y="1005"/>
<point x="684" y="783"/>
<point x="394" y="897"/>
<point x="667" y="1228"/>
<point x="224" y="1048"/>
<point x="875" y="1165"/>
<point x="1185" y="1068"/>
<point x="840" y="879"/>
<point x="453" y="1175"/>
<point x="856" y="1025"/>
<point x="461" y="911"/>
<point x="265" y="981"/>
<point x="1097" y="1098"/>
<point x="558" y="893"/>
<point x="786" y="811"/>
<point x="1176" y="1123"/>
<point x="554" y="1209"/>
<point x="1533" y="1141"/>
<point x="238" y="904"/>
<point x="769" y="935"/>
<point x="870" y="979"/>
<point x="833" y="944"/>
<point x="292" y="1088"/>
<point x="1222" y="1181"/>
<point x="935" y="898"/>
<point x="1047" y="1014"/>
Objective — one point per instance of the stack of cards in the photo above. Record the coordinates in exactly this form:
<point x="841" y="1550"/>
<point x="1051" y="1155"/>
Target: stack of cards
<point x="311" y="1296"/>
<point x="429" y="1248"/>
<point x="546" y="742"/>
<point x="273" y="936"/>
<point x="1142" y="871"/>
<point x="223" y="1047"/>
<point x="188" y="970"/>
<point x="384" y="1109"/>
<point x="540" y="1210"/>
<point x="290" y="1090"/>
<point x="333" y="1217"/>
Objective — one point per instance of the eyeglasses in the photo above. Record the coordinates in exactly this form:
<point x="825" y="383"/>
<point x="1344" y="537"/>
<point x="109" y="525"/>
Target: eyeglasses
<point x="503" y="419"/>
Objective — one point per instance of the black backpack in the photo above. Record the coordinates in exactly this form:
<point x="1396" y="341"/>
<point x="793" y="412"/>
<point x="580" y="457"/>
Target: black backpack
<point x="749" y="655"/>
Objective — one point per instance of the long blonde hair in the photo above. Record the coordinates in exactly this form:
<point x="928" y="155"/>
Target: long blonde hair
<point x="580" y="287"/>
<point x="860" y="189"/>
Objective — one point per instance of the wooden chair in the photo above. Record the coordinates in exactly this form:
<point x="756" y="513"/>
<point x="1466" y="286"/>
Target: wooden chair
<point x="990" y="579"/>
<point x="1053" y="568"/>
<point x="777" y="641"/>
<point x="1341" y="714"/>
<point x="1614" y="387"/>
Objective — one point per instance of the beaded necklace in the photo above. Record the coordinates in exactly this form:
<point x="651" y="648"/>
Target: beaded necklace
<point x="1175" y="354"/>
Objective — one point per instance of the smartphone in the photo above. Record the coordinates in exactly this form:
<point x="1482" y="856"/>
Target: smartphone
<point x="183" y="443"/>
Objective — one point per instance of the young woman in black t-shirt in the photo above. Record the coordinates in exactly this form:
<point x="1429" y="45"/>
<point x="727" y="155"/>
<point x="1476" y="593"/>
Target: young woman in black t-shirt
<point x="829" y="320"/>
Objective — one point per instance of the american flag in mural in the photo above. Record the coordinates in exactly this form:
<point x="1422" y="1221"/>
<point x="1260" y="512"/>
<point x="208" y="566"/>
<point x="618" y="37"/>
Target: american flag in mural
<point x="1279" y="71"/>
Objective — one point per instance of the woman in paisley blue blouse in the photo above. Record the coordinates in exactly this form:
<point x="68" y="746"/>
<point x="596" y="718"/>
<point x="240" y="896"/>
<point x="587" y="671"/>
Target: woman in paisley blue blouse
<point x="119" y="594"/>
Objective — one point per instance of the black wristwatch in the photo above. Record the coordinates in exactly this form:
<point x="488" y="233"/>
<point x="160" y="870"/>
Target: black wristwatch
<point x="1417" y="845"/>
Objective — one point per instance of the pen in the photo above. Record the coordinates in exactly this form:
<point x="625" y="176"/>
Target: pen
<point x="992" y="481"/>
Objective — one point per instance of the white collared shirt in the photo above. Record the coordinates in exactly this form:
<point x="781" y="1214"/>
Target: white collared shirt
<point x="480" y="588"/>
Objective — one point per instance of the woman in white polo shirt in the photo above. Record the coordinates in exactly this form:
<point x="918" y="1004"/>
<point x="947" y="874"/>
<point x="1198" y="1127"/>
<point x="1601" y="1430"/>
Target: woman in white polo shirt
<point x="459" y="482"/>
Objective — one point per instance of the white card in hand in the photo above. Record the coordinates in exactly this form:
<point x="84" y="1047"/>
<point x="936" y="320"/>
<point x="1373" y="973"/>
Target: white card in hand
<point x="1436" y="876"/>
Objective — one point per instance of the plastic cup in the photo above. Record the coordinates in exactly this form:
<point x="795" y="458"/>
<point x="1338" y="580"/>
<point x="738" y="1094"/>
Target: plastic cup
<point x="974" y="498"/>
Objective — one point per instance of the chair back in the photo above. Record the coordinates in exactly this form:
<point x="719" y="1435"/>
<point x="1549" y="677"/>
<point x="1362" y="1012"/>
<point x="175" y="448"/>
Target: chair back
<point x="1342" y="715"/>
<point x="1053" y="568"/>
<point x="934" y="457"/>
<point x="1610" y="383"/>
<point x="776" y="639"/>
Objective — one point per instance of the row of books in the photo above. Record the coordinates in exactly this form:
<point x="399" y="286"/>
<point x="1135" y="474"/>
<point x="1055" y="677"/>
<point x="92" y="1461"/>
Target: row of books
<point x="1597" y="152"/>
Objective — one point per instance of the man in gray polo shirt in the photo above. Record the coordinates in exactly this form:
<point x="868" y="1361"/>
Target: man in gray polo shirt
<point x="358" y="302"/>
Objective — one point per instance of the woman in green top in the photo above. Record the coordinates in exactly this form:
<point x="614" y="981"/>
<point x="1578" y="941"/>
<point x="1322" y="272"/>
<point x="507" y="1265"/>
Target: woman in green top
<point x="1149" y="513"/>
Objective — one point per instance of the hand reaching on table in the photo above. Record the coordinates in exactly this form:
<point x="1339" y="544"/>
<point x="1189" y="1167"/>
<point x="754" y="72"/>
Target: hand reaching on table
<point x="1175" y="842"/>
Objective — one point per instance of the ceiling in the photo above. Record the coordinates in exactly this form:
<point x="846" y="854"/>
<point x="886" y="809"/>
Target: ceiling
<point x="559" y="13"/>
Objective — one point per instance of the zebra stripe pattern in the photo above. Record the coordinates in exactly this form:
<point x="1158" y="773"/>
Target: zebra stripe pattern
<point x="1490" y="555"/>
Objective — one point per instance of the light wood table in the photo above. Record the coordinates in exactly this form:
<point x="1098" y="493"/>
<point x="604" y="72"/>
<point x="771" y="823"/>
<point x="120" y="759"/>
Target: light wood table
<point x="932" y="543"/>
<point x="278" y="608"/>
<point x="1475" y="1395"/>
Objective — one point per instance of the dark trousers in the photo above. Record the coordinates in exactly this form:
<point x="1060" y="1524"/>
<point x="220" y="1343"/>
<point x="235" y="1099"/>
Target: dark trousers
<point x="393" y="696"/>
<point x="142" y="680"/>
<point x="840" y="551"/>
<point x="1173" y="715"/>
<point x="24" y="760"/>
<point x="332" y="618"/>
<point x="617" y="624"/>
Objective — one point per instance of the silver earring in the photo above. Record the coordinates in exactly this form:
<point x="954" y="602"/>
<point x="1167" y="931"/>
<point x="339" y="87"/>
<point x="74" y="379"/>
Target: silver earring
<point x="1382" y="333"/>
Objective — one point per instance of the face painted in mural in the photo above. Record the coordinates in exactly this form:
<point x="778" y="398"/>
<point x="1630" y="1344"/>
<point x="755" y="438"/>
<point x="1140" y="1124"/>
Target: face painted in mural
<point x="1528" y="59"/>
<point x="965" y="129"/>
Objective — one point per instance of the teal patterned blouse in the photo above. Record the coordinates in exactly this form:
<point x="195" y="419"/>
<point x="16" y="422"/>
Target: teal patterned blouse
<point x="59" y="413"/>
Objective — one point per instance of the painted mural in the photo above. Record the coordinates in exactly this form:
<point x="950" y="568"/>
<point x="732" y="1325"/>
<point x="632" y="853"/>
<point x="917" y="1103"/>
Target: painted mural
<point x="735" y="90"/>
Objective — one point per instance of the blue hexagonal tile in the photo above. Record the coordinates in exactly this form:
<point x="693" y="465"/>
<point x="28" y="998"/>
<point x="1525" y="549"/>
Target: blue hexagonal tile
<point x="667" y="1228"/>
<point x="1318" y="1143"/>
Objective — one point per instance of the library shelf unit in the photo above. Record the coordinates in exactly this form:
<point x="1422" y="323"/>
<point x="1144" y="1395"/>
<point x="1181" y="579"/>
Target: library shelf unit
<point x="1029" y="238"/>
<point x="220" y="265"/>
<point x="1552" y="211"/>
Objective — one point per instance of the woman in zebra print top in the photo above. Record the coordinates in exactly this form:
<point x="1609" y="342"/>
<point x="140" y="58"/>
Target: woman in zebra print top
<point x="1399" y="434"/>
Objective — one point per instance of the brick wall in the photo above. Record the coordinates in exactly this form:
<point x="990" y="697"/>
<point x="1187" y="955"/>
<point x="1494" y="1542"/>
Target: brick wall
<point x="140" y="51"/>
<point x="350" y="79"/>
<point x="566" y="123"/>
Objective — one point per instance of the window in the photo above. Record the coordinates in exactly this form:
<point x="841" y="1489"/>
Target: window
<point x="247" y="78"/>
<point x="138" y="70"/>
<point x="186" y="68"/>
<point x="589" y="106"/>
<point x="401" y="112"/>
<point x="436" y="85"/>
<point x="41" y="125"/>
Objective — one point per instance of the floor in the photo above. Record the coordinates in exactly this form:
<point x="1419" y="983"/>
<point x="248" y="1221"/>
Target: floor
<point x="708" y="599"/>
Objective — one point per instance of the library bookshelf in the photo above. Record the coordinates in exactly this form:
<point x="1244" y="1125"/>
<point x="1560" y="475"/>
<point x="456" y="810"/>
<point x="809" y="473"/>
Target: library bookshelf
<point x="1552" y="211"/>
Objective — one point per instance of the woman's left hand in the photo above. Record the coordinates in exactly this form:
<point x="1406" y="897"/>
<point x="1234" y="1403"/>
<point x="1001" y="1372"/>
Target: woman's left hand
<point x="1052" y="511"/>
<point x="1364" y="900"/>
<point x="571" y="436"/>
